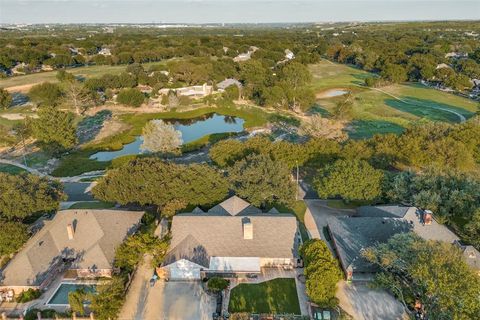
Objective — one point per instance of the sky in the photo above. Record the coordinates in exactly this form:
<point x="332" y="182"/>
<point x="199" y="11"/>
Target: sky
<point x="233" y="11"/>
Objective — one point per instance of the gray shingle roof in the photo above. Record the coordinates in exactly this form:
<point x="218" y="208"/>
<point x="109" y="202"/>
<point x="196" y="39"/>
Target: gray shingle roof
<point x="234" y="206"/>
<point x="97" y="234"/>
<point x="353" y="235"/>
<point x="392" y="211"/>
<point x="197" y="237"/>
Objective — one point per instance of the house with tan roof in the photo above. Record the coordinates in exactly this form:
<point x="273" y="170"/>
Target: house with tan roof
<point x="232" y="239"/>
<point x="80" y="243"/>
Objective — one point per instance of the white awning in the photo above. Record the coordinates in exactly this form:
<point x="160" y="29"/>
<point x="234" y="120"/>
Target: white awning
<point x="235" y="264"/>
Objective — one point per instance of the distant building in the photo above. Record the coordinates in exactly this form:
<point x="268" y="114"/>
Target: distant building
<point x="105" y="52"/>
<point x="245" y="56"/>
<point x="289" y="55"/>
<point x="456" y="55"/>
<point x="233" y="239"/>
<point x="443" y="66"/>
<point x="192" y="91"/>
<point x="221" y="86"/>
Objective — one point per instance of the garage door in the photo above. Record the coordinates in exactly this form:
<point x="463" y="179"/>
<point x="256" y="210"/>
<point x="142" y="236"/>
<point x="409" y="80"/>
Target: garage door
<point x="184" y="270"/>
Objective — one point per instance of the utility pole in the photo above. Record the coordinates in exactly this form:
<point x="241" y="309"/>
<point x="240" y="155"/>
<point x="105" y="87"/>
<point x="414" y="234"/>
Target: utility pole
<point x="298" y="185"/>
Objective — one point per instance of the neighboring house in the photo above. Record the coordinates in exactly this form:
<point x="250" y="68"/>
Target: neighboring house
<point x="471" y="255"/>
<point x="192" y="91"/>
<point x="19" y="68"/>
<point x="422" y="222"/>
<point x="377" y="224"/>
<point x="222" y="86"/>
<point x="105" y="52"/>
<point x="352" y="235"/>
<point x="289" y="55"/>
<point x="443" y="66"/>
<point x="245" y="56"/>
<point x="80" y="242"/>
<point x="232" y="239"/>
<point x="456" y="55"/>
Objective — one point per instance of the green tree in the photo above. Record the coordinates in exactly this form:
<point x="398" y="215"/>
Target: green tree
<point x="55" y="129"/>
<point x="217" y="284"/>
<point x="5" y="99"/>
<point x="12" y="236"/>
<point x="349" y="179"/>
<point x="262" y="181"/>
<point x="132" y="250"/>
<point x="159" y="136"/>
<point x="322" y="273"/>
<point x="472" y="229"/>
<point x="26" y="194"/>
<point x="150" y="181"/>
<point x="433" y="271"/>
<point x="76" y="300"/>
<point x="131" y="97"/>
<point x="45" y="94"/>
<point x="394" y="73"/>
<point x="108" y="301"/>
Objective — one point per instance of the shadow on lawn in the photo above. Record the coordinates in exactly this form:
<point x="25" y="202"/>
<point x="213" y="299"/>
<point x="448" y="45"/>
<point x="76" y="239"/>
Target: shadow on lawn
<point x="364" y="129"/>
<point x="428" y="109"/>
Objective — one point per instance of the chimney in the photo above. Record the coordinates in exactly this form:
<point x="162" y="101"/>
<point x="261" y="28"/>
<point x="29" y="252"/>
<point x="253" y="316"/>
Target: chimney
<point x="70" y="231"/>
<point x="247" y="229"/>
<point x="427" y="217"/>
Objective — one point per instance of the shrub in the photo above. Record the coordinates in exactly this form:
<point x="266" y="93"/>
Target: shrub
<point x="131" y="97"/>
<point x="217" y="284"/>
<point x="29" y="295"/>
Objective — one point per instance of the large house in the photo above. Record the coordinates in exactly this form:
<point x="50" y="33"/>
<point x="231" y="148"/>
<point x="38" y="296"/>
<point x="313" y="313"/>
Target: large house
<point x="78" y="242"/>
<point x="192" y="91"/>
<point x="377" y="224"/>
<point x="232" y="239"/>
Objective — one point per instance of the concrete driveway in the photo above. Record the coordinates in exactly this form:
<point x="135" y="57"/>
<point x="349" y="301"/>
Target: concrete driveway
<point x="364" y="303"/>
<point x="317" y="215"/>
<point x="179" y="301"/>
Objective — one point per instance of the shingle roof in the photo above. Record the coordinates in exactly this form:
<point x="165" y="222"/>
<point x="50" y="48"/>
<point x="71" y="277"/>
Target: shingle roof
<point x="227" y="83"/>
<point x="234" y="206"/>
<point x="392" y="211"/>
<point x="197" y="237"/>
<point x="97" y="234"/>
<point x="412" y="215"/>
<point x="353" y="235"/>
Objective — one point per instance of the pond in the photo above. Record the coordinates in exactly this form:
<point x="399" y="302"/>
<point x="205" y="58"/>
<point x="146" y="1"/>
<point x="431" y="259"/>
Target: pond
<point x="60" y="297"/>
<point x="335" y="93"/>
<point x="191" y="129"/>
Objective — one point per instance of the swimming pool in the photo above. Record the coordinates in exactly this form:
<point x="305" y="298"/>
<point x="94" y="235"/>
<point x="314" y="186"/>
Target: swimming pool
<point x="60" y="297"/>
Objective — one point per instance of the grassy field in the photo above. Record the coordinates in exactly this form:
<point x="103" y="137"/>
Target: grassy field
<point x="87" y="72"/>
<point x="274" y="296"/>
<point x="389" y="109"/>
<point x="7" y="168"/>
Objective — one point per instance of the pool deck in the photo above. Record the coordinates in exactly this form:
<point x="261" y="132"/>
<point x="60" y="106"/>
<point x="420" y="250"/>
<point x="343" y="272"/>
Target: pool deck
<point x="17" y="309"/>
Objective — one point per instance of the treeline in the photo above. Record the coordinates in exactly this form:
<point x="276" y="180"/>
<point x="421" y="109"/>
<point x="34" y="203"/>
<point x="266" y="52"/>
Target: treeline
<point x="400" y="53"/>
<point x="131" y="45"/>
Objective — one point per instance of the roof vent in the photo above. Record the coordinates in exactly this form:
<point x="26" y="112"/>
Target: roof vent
<point x="247" y="229"/>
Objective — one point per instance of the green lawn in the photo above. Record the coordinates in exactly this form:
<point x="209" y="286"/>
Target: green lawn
<point x="375" y="111"/>
<point x="7" y="168"/>
<point x="275" y="296"/>
<point x="92" y="205"/>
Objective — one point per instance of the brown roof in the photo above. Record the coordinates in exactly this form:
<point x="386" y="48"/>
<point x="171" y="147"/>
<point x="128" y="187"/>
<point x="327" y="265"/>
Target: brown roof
<point x="97" y="234"/>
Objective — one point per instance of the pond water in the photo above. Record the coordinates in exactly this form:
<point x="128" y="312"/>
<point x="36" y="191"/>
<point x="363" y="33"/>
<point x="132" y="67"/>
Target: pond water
<point x="191" y="129"/>
<point x="335" y="93"/>
<point x="60" y="297"/>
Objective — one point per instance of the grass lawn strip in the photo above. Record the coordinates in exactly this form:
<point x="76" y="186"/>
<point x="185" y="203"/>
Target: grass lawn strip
<point x="275" y="296"/>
